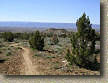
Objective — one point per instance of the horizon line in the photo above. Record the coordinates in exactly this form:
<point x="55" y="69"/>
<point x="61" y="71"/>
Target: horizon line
<point x="45" y="22"/>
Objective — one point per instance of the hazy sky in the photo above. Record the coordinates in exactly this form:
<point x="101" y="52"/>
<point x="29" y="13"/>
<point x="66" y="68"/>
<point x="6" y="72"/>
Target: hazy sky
<point x="66" y="11"/>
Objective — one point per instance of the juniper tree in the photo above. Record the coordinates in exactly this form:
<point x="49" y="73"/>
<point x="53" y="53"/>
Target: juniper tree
<point x="37" y="41"/>
<point x="83" y="43"/>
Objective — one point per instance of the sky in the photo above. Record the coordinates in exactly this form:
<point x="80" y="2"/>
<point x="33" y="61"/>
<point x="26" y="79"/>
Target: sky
<point x="59" y="11"/>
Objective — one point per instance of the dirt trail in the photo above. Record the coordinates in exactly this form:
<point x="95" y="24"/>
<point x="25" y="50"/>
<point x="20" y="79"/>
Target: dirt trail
<point x="30" y="69"/>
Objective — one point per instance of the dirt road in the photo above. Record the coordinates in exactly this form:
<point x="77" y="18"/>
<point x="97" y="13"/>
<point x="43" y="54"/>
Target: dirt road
<point x="29" y="68"/>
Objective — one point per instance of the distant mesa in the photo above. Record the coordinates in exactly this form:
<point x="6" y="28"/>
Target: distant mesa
<point x="56" y="31"/>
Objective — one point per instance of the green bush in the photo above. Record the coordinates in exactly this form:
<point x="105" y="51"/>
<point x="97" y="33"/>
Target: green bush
<point x="35" y="55"/>
<point x="8" y="53"/>
<point x="50" y="56"/>
<point x="37" y="41"/>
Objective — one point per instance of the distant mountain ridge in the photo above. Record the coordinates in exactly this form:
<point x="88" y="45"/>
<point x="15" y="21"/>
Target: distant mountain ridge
<point x="42" y="25"/>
